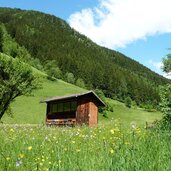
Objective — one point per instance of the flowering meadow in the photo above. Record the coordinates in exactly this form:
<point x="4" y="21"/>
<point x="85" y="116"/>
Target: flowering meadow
<point x="106" y="148"/>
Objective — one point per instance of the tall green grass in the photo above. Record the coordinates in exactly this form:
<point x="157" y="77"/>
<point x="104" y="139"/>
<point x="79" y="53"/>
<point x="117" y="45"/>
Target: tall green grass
<point x="87" y="149"/>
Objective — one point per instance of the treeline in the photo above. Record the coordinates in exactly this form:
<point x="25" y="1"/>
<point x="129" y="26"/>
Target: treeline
<point x="57" y="48"/>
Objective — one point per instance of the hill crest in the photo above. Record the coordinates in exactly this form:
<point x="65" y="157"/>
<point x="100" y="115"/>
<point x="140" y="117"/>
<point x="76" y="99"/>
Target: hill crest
<point x="47" y="38"/>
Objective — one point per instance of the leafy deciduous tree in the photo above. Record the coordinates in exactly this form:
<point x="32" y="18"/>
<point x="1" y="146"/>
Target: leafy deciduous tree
<point x="165" y="95"/>
<point x="70" y="77"/>
<point x="1" y="39"/>
<point x="16" y="79"/>
<point x="52" y="70"/>
<point x="167" y="64"/>
<point x="165" y="92"/>
<point x="80" y="83"/>
<point x="128" y="102"/>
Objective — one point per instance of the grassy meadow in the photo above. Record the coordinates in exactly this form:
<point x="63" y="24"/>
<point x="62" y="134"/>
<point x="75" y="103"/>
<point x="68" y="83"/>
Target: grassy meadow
<point x="120" y="142"/>
<point x="108" y="147"/>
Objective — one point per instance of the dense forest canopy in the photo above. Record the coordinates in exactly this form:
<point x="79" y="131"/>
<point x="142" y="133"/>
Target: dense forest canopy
<point x="46" y="38"/>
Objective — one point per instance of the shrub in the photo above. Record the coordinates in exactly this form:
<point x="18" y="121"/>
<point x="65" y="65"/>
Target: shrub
<point x="80" y="83"/>
<point x="69" y="77"/>
<point x="128" y="102"/>
<point x="165" y="105"/>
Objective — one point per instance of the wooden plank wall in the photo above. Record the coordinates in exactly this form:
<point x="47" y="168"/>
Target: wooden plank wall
<point x="82" y="112"/>
<point x="93" y="115"/>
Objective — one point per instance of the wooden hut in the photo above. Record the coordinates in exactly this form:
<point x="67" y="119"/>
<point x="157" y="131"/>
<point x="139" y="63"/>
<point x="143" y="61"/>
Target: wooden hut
<point x="73" y="109"/>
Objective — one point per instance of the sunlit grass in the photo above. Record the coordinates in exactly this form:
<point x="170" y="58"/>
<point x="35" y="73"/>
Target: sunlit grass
<point x="105" y="148"/>
<point x="29" y="110"/>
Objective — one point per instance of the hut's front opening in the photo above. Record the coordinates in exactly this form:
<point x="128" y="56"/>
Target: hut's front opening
<point x="62" y="113"/>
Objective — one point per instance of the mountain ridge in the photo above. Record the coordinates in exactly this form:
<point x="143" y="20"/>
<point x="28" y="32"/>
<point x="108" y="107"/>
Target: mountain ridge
<point x="47" y="37"/>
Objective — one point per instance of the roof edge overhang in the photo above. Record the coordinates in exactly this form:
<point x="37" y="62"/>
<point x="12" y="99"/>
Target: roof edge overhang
<point x="76" y="96"/>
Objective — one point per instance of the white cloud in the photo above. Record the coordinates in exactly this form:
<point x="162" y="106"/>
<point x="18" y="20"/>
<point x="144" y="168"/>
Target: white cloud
<point x="116" y="23"/>
<point x="157" y="65"/>
<point x="168" y="75"/>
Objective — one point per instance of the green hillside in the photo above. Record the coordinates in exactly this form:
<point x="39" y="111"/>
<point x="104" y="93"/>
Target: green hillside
<point x="128" y="116"/>
<point x="45" y="38"/>
<point x="29" y="110"/>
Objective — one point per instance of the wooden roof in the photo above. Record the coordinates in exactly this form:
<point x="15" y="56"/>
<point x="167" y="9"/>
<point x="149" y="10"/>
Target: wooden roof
<point x="76" y="96"/>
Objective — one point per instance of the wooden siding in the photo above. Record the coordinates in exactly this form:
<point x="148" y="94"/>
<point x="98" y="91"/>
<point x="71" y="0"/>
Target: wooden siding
<point x="82" y="112"/>
<point x="93" y="114"/>
<point x="87" y="113"/>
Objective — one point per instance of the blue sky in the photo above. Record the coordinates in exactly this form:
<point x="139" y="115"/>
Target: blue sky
<point x="133" y="27"/>
<point x="60" y="8"/>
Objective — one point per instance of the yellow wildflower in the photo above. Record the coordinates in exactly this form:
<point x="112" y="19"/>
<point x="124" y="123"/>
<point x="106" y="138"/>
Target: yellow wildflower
<point x="138" y="130"/>
<point x="21" y="156"/>
<point x="78" y="150"/>
<point x="30" y="148"/>
<point x="112" y="131"/>
<point x="111" y="151"/>
<point x="8" y="158"/>
<point x="11" y="130"/>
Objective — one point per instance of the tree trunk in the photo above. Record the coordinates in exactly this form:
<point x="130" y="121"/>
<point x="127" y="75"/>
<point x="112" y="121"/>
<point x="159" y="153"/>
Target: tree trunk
<point x="1" y="114"/>
<point x="5" y="106"/>
<point x="4" y="109"/>
<point x="7" y="103"/>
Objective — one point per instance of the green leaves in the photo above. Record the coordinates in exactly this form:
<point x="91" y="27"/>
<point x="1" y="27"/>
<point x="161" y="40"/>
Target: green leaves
<point x="128" y="102"/>
<point x="1" y="39"/>
<point x="69" y="77"/>
<point x="16" y="79"/>
<point x="167" y="64"/>
<point x="165" y="94"/>
<point x="52" y="70"/>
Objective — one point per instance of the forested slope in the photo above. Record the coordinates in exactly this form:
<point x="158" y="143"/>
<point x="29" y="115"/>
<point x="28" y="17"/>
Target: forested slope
<point x="47" y="37"/>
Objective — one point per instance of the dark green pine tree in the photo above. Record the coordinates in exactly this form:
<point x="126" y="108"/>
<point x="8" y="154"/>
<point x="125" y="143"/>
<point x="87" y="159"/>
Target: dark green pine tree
<point x="1" y="39"/>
